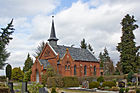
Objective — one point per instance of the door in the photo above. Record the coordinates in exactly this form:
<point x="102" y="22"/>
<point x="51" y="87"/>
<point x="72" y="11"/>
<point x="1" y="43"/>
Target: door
<point x="37" y="76"/>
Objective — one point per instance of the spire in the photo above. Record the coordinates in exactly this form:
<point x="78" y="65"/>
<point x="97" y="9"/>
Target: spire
<point x="53" y="38"/>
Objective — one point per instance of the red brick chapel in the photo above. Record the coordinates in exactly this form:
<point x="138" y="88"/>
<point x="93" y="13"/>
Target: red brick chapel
<point x="67" y="61"/>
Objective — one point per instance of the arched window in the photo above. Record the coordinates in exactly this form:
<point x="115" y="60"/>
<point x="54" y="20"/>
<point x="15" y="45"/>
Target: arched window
<point x="68" y="67"/>
<point x="94" y="70"/>
<point x="85" y="70"/>
<point x="65" y="67"/>
<point x="74" y="69"/>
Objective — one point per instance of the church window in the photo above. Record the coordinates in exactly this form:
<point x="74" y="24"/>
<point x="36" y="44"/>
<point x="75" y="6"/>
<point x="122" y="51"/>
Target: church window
<point x="85" y="70"/>
<point x="68" y="66"/>
<point x="94" y="70"/>
<point x="65" y="67"/>
<point x="74" y="69"/>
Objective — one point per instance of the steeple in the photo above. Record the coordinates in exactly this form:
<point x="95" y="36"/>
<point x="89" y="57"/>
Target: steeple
<point x="53" y="40"/>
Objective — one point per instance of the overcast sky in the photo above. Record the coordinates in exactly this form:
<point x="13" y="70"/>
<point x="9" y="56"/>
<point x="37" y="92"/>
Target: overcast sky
<point x="98" y="21"/>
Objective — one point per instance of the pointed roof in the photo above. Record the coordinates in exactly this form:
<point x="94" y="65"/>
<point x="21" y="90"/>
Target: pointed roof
<point x="52" y="35"/>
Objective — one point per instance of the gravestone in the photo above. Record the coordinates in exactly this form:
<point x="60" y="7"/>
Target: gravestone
<point x="10" y="84"/>
<point x="43" y="90"/>
<point x="24" y="87"/>
<point x="85" y="84"/>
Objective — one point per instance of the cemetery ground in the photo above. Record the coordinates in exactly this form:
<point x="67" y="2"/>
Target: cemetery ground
<point x="107" y="85"/>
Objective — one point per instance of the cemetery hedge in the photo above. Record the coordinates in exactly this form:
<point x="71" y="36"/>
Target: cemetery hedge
<point x="55" y="82"/>
<point x="94" y="85"/>
<point x="109" y="84"/>
<point x="62" y="82"/>
<point x="70" y="81"/>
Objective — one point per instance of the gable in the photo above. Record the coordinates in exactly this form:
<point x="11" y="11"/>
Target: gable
<point x="47" y="52"/>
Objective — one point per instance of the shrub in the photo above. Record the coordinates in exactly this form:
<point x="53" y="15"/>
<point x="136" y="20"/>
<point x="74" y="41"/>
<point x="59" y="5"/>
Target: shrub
<point x="108" y="84"/>
<point x="137" y="90"/>
<point x="129" y="83"/>
<point x="53" y="90"/>
<point x="126" y="90"/>
<point x="121" y="90"/>
<point x="27" y="75"/>
<point x="17" y="74"/>
<point x="100" y="79"/>
<point x="44" y="79"/>
<point x="34" y="88"/>
<point x="115" y="89"/>
<point x="55" y="82"/>
<point x="94" y="85"/>
<point x="70" y="81"/>
<point x="130" y="76"/>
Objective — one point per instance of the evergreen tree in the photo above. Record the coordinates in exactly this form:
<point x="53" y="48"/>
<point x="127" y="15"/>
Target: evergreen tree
<point x="90" y="48"/>
<point x="28" y="63"/>
<point x="138" y="62"/>
<point x="27" y="75"/>
<point x="101" y="59"/>
<point x="106" y="55"/>
<point x="4" y="40"/>
<point x="127" y="46"/>
<point x="8" y="71"/>
<point x="83" y="44"/>
<point x="39" y="49"/>
<point x="106" y="62"/>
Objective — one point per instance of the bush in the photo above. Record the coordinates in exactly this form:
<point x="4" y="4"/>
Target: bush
<point x="55" y="82"/>
<point x="53" y="90"/>
<point x="129" y="83"/>
<point x="27" y="75"/>
<point x="130" y="76"/>
<point x="17" y="74"/>
<point x="137" y="90"/>
<point x="121" y="90"/>
<point x="126" y="90"/>
<point x="94" y="85"/>
<point x="108" y="84"/>
<point x="70" y="81"/>
<point x="44" y="79"/>
<point x="100" y="79"/>
<point x="115" y="89"/>
<point x="34" y="88"/>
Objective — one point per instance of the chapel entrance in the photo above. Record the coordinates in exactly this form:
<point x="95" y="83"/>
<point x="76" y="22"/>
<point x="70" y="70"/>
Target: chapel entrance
<point x="37" y="76"/>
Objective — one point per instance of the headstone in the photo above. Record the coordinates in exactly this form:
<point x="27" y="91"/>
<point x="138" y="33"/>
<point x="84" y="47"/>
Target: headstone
<point x="24" y="87"/>
<point x="10" y="84"/>
<point x="134" y="80"/>
<point x="43" y="90"/>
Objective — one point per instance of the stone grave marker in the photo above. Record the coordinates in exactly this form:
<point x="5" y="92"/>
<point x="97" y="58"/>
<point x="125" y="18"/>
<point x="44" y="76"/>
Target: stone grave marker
<point x="10" y="84"/>
<point x="24" y="87"/>
<point x="43" y="90"/>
